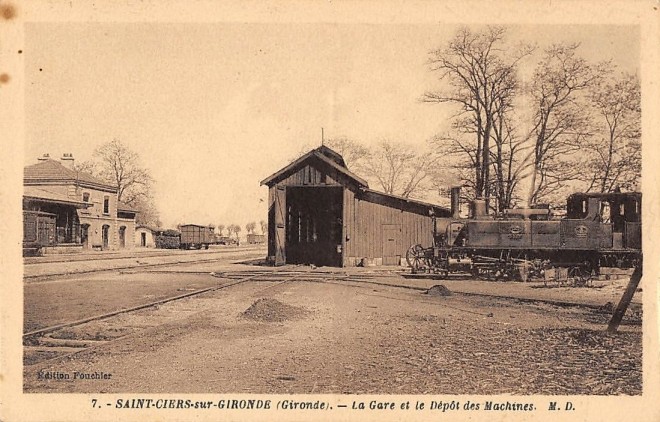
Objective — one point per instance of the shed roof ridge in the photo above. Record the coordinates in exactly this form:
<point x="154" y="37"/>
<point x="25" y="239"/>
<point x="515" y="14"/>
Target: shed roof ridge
<point x="318" y="153"/>
<point x="403" y="198"/>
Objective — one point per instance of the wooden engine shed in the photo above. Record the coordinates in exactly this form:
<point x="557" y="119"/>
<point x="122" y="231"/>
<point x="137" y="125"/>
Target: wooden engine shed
<point x="321" y="213"/>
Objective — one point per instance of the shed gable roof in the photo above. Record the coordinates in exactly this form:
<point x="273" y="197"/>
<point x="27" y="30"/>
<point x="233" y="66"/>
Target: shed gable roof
<point x="53" y="171"/>
<point x="401" y="202"/>
<point x="325" y="155"/>
<point x="336" y="161"/>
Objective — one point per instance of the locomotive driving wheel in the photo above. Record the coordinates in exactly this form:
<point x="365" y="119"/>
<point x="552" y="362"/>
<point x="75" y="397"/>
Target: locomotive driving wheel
<point x="416" y="258"/>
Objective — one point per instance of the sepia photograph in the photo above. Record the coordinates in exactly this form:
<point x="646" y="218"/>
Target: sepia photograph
<point x="330" y="215"/>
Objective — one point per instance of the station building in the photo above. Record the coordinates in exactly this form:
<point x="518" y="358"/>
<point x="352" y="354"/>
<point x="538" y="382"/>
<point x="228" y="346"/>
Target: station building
<point x="321" y="213"/>
<point x="65" y="210"/>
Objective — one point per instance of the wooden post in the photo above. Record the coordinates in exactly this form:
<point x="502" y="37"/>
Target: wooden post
<point x="621" y="308"/>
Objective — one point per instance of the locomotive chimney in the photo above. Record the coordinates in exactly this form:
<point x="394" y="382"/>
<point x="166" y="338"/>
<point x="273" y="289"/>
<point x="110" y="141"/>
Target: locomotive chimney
<point x="456" y="202"/>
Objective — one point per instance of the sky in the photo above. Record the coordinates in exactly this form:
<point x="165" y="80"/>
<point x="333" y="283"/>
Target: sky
<point x="214" y="108"/>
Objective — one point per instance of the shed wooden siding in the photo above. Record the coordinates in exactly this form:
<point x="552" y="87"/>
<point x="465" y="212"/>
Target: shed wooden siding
<point x="363" y="226"/>
<point x="312" y="174"/>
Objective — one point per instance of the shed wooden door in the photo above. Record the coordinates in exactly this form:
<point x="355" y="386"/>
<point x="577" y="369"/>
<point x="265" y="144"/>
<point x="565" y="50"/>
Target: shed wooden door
<point x="391" y="242"/>
<point x="280" y="225"/>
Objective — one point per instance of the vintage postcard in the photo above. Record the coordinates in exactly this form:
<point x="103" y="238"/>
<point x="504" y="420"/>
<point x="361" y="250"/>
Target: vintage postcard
<point x="329" y="210"/>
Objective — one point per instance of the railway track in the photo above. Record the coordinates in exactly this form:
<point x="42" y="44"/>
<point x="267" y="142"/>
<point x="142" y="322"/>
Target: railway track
<point x="55" y="340"/>
<point x="129" y="266"/>
<point x="163" y="253"/>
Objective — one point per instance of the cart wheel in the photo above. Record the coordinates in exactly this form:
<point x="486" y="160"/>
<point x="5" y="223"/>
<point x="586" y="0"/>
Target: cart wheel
<point x="416" y="258"/>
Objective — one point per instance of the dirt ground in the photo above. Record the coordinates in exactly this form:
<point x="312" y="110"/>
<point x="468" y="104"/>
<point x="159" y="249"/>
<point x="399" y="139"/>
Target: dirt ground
<point x="348" y="337"/>
<point x="51" y="303"/>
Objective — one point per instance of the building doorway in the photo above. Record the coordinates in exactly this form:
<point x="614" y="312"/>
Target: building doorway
<point x="84" y="236"/>
<point x="391" y="244"/>
<point x="106" y="236"/>
<point x="314" y="225"/>
<point x="143" y="239"/>
<point x="122" y="237"/>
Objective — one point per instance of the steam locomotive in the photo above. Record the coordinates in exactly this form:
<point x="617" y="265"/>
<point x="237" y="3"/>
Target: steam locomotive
<point x="598" y="230"/>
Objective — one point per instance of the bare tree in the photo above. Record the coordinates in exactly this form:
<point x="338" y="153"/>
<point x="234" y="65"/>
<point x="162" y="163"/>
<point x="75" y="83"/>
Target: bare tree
<point x="615" y="159"/>
<point x="122" y="166"/>
<point x="147" y="212"/>
<point x="398" y="168"/>
<point x="89" y="167"/>
<point x="352" y="151"/>
<point x="119" y="166"/>
<point x="230" y="229"/>
<point x="507" y="166"/>
<point x="250" y="227"/>
<point x="561" y="120"/>
<point x="264" y="226"/>
<point x="395" y="167"/>
<point x="237" y="230"/>
<point x="220" y="228"/>
<point x="482" y="79"/>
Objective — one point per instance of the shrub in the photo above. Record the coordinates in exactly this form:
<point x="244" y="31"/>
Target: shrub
<point x="167" y="242"/>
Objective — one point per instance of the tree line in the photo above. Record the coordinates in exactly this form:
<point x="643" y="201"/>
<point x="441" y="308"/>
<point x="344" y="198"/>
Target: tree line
<point x="572" y="125"/>
<point x="235" y="229"/>
<point x="527" y="126"/>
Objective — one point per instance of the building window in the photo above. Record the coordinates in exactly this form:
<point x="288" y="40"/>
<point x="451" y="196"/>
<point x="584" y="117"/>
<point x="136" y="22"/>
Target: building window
<point x="106" y="205"/>
<point x="85" y="196"/>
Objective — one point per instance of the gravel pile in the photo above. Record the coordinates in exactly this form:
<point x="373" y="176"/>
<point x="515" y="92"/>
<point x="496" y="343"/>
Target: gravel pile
<point x="272" y="310"/>
<point x="439" y="290"/>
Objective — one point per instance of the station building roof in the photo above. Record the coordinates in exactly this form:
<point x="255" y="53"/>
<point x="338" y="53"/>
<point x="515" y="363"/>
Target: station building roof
<point x="53" y="172"/>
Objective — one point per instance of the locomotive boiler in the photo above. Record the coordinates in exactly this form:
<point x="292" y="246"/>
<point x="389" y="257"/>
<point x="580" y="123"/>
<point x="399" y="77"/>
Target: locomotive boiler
<point x="598" y="230"/>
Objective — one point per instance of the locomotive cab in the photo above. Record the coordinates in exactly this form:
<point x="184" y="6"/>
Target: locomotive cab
<point x="619" y="212"/>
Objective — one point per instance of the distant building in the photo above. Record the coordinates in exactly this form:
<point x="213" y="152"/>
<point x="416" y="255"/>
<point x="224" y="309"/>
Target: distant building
<point x="67" y="210"/>
<point x="256" y="239"/>
<point x="321" y="213"/>
<point x="145" y="236"/>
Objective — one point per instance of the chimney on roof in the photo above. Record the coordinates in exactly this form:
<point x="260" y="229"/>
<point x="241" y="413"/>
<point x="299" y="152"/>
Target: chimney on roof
<point x="67" y="160"/>
<point x="44" y="157"/>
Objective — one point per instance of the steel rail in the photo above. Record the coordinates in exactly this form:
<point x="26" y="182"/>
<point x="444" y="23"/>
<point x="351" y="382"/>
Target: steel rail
<point x="116" y="255"/>
<point x="44" y="277"/>
<point x="52" y="328"/>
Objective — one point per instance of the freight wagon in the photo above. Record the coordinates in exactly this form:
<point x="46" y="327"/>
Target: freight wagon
<point x="38" y="231"/>
<point x="194" y="236"/>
